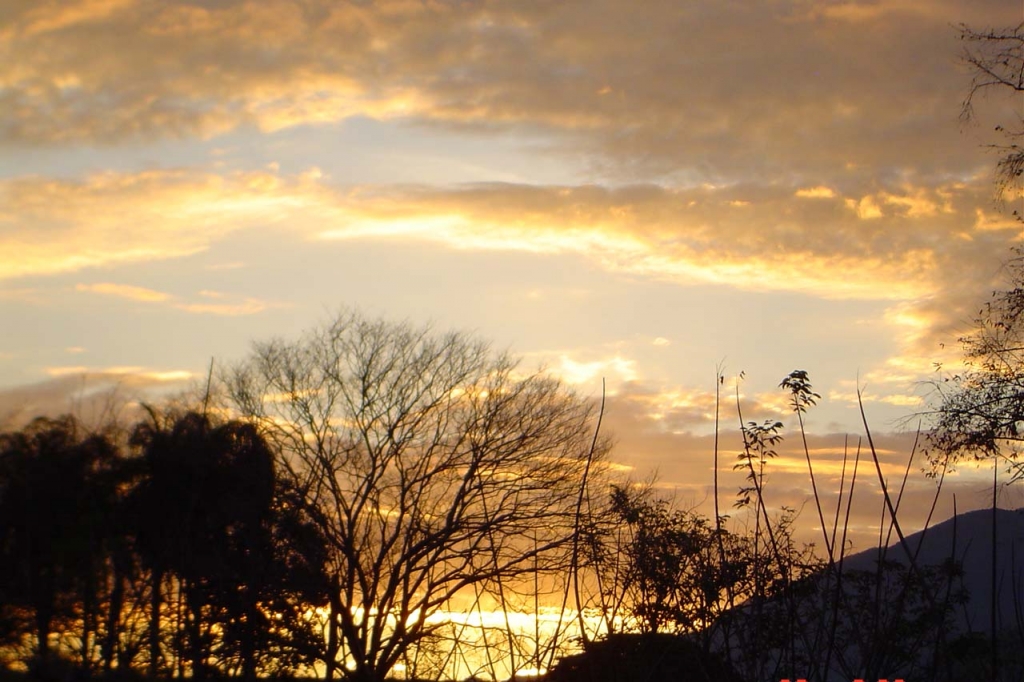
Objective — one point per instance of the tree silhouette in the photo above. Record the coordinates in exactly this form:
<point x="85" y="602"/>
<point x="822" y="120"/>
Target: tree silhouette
<point x="979" y="412"/>
<point x="209" y="518"/>
<point x="996" y="60"/>
<point x="660" y="567"/>
<point x="429" y="466"/>
<point x="58" y="492"/>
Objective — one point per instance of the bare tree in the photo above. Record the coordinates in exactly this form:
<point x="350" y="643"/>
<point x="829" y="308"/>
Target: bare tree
<point x="432" y="466"/>
<point x="996" y="60"/>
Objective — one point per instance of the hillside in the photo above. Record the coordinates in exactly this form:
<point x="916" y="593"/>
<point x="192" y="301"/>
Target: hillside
<point x="968" y="537"/>
<point x="862" y="623"/>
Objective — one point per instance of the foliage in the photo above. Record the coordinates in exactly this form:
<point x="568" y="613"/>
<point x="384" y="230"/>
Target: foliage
<point x="759" y="443"/>
<point x="207" y="517"/>
<point x="194" y="534"/>
<point x="636" y="657"/>
<point x="662" y="571"/>
<point x="58" y="491"/>
<point x="980" y="411"/>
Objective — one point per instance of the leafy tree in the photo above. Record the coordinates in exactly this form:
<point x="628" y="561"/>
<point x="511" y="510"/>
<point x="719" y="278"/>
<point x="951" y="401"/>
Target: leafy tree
<point x="430" y="466"/>
<point x="980" y="411"/>
<point x="209" y="517"/>
<point x="58" y="494"/>
<point x="666" y="564"/>
<point x="164" y="503"/>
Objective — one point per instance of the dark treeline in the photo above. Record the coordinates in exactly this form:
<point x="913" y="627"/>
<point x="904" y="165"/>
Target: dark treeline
<point x="176" y="548"/>
<point x="382" y="480"/>
<point x="375" y="472"/>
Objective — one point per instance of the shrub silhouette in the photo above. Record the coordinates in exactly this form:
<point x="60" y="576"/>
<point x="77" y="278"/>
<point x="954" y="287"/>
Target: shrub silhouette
<point x="648" y="657"/>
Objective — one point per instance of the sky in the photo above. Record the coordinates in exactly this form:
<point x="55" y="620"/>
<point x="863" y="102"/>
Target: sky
<point x="649" y="193"/>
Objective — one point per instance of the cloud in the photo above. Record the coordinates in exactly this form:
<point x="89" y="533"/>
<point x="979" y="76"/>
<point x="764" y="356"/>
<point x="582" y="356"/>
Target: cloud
<point x="189" y="70"/>
<point x="52" y="226"/>
<point x="822" y="158"/>
<point x="688" y="236"/>
<point x="679" y="409"/>
<point x="649" y="88"/>
<point x="818" y="192"/>
<point x="618" y="368"/>
<point x="129" y="292"/>
<point x="94" y="395"/>
<point x="226" y="305"/>
<point x="247" y="306"/>
<point x="906" y="251"/>
<point x="235" y="265"/>
<point x="926" y="250"/>
<point x="132" y="375"/>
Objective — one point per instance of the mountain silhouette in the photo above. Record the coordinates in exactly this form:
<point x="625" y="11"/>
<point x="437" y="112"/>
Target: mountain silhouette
<point x="968" y="538"/>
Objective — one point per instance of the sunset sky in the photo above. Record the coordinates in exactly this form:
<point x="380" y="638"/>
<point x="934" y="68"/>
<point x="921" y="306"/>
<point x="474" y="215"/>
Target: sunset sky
<point x="637" y="190"/>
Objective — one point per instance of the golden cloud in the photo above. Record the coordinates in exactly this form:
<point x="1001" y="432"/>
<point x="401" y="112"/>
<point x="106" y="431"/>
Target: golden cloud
<point x="136" y="375"/>
<point x="225" y="305"/>
<point x="574" y="371"/>
<point x="911" y="254"/>
<point x="132" y="293"/>
<point x="248" y="306"/>
<point x="648" y="86"/>
<point x="696" y="235"/>
<point x="680" y="409"/>
<point x="53" y="226"/>
<point x="679" y="235"/>
<point x="818" y="192"/>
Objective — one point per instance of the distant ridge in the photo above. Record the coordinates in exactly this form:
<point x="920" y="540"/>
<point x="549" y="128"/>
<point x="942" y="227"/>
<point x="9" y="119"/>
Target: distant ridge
<point x="910" y="642"/>
<point x="968" y="537"/>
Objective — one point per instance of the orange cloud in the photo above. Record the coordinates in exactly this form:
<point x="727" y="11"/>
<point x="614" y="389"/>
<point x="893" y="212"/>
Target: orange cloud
<point x="248" y="306"/>
<point x="225" y="305"/>
<point x="911" y="253"/>
<point x="54" y="226"/>
<point x="125" y="291"/>
<point x="596" y="77"/>
<point x="134" y="374"/>
<point x="684" y="235"/>
<point x="695" y="235"/>
<point x="617" y="368"/>
<point x="819" y="192"/>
